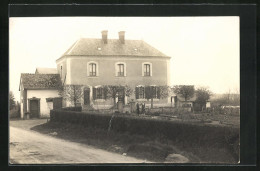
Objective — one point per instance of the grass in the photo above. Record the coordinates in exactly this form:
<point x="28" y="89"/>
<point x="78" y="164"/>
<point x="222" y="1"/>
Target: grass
<point x="152" y="149"/>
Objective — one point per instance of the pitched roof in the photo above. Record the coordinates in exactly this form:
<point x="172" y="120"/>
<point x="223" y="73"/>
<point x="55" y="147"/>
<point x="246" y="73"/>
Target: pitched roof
<point x="40" y="81"/>
<point x="96" y="47"/>
<point x="46" y="71"/>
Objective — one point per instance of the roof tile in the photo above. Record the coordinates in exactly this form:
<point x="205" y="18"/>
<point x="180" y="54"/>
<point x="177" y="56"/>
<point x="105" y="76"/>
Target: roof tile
<point x="96" y="47"/>
<point x="40" y="81"/>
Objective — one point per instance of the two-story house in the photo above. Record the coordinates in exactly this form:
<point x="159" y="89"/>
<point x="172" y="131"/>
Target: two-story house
<point x="97" y="62"/>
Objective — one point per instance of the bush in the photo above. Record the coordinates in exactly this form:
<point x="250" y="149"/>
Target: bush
<point x="191" y="135"/>
<point x="14" y="113"/>
<point x="77" y="108"/>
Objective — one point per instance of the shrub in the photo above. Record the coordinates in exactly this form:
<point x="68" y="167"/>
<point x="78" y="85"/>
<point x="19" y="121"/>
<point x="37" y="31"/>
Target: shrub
<point x="14" y="113"/>
<point x="77" y="108"/>
<point x="191" y="135"/>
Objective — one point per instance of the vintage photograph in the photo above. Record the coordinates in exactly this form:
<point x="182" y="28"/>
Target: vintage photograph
<point x="86" y="90"/>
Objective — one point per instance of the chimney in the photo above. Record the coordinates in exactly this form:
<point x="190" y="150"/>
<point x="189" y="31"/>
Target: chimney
<point x="121" y="35"/>
<point x="104" y="36"/>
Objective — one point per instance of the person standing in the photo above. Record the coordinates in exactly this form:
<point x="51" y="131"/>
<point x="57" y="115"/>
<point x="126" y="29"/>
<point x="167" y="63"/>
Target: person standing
<point x="138" y="108"/>
<point x="143" y="108"/>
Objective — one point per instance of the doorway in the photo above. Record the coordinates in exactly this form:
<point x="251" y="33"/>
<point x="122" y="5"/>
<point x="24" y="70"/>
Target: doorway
<point x="121" y="95"/>
<point x="86" y="96"/>
<point x="34" y="108"/>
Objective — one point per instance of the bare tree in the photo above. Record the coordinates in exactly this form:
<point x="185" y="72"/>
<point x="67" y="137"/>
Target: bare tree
<point x="113" y="91"/>
<point x="71" y="93"/>
<point x="185" y="91"/>
<point x="158" y="92"/>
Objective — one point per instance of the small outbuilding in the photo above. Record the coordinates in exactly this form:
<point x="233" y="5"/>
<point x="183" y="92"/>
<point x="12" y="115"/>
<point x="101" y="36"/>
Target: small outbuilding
<point x="39" y="94"/>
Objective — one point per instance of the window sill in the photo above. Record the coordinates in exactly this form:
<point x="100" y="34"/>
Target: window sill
<point x="92" y="76"/>
<point x="141" y="100"/>
<point x="100" y="100"/>
<point x="146" y="75"/>
<point x="120" y="76"/>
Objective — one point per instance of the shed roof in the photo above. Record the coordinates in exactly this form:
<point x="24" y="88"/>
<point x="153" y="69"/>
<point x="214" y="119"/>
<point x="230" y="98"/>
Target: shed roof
<point x="40" y="81"/>
<point x="113" y="47"/>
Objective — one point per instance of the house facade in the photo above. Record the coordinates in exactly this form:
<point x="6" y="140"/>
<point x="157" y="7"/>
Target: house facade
<point x="39" y="94"/>
<point x="94" y="63"/>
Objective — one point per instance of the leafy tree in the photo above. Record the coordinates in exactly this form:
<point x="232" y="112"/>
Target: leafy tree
<point x="203" y="95"/>
<point x="159" y="92"/>
<point x="185" y="91"/>
<point x="11" y="100"/>
<point x="71" y="93"/>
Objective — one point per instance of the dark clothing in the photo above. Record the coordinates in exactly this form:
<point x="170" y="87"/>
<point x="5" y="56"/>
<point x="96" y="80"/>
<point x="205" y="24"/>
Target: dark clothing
<point x="138" y="108"/>
<point x="143" y="108"/>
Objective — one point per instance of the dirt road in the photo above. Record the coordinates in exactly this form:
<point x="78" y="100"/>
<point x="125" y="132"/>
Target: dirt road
<point x="29" y="147"/>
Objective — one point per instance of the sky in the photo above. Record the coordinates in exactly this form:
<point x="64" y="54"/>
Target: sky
<point x="204" y="51"/>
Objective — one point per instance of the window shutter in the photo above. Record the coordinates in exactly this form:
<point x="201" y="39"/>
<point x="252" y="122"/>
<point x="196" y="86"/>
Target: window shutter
<point x="147" y="92"/>
<point x="105" y="93"/>
<point x="94" y="93"/>
<point x="158" y="92"/>
<point x="137" y="92"/>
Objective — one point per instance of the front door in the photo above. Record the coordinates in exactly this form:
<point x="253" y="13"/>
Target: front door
<point x="34" y="108"/>
<point x="121" y="96"/>
<point x="86" y="97"/>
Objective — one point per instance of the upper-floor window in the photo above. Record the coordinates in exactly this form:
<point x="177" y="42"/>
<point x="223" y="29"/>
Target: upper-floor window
<point x="92" y="69"/>
<point x="120" y="69"/>
<point x="147" y="69"/>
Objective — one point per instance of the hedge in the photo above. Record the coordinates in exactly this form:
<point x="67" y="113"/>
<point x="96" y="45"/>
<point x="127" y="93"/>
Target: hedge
<point x="192" y="135"/>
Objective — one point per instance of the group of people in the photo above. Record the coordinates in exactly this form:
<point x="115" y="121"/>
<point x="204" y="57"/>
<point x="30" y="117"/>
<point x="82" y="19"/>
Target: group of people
<point x="140" y="108"/>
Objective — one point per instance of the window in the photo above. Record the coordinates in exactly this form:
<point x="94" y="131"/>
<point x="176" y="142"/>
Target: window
<point x="146" y="69"/>
<point x="140" y="92"/>
<point x="154" y="90"/>
<point x="100" y="93"/>
<point x="120" y="70"/>
<point x="92" y="69"/>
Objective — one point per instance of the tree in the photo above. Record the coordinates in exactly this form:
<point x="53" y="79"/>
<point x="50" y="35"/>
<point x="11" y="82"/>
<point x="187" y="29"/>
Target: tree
<point x="11" y="100"/>
<point x="71" y="93"/>
<point x="113" y="91"/>
<point x="185" y="91"/>
<point x="203" y="95"/>
<point x="158" y="92"/>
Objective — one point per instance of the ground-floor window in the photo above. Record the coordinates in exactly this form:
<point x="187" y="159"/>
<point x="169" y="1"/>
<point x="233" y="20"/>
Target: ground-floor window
<point x="99" y="93"/>
<point x="149" y="92"/>
<point x="139" y="92"/>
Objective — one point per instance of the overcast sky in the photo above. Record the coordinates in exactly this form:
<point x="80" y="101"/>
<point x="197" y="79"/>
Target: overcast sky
<point x="204" y="50"/>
